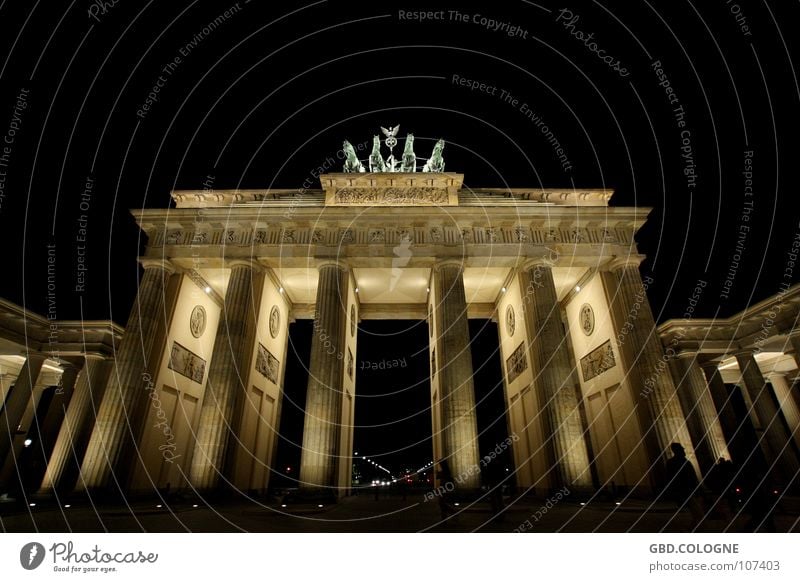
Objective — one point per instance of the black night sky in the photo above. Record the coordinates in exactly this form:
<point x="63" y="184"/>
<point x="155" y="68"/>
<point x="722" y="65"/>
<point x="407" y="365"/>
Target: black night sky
<point x="264" y="96"/>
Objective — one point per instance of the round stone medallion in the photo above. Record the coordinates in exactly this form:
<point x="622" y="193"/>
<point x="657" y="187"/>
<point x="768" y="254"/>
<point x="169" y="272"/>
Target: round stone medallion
<point x="511" y="320"/>
<point x="197" y="321"/>
<point x="587" y="319"/>
<point x="274" y="321"/>
<point x="352" y="320"/>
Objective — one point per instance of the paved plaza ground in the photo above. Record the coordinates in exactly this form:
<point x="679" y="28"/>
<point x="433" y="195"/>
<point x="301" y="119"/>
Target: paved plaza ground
<point x="366" y="514"/>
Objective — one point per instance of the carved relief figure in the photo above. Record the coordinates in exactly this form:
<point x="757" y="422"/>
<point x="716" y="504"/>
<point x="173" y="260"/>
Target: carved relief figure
<point x="197" y="321"/>
<point x="267" y="365"/>
<point x="274" y="321"/>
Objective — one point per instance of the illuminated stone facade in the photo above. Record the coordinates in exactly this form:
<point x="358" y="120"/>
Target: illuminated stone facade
<point x="192" y="398"/>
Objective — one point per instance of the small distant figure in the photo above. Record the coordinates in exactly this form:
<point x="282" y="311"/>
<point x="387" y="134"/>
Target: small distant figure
<point x="761" y="498"/>
<point x="683" y="486"/>
<point x="720" y="482"/>
<point x="493" y="480"/>
<point x="446" y="506"/>
<point x="403" y="486"/>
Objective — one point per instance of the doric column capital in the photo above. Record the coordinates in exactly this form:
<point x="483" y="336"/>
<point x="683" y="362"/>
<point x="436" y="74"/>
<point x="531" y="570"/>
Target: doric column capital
<point x="247" y="263"/>
<point x="157" y="263"/>
<point x="439" y="265"/>
<point x="70" y="363"/>
<point x="684" y="354"/>
<point x="337" y="263"/>
<point x="618" y="263"/>
<point x="34" y="357"/>
<point x="742" y="353"/>
<point x="710" y="366"/>
<point x="536" y="262"/>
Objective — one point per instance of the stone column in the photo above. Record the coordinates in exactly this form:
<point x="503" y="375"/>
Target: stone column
<point x="549" y="352"/>
<point x="721" y="399"/>
<point x="6" y="381"/>
<point x="794" y="340"/>
<point x="77" y="426"/>
<point x="231" y="359"/>
<point x="323" y="413"/>
<point x="650" y="372"/>
<point x="459" y="421"/>
<point x="794" y="350"/>
<point x="17" y="403"/>
<point x="701" y="415"/>
<point x="771" y="435"/>
<point x="787" y="404"/>
<point x="49" y="427"/>
<point x="118" y="424"/>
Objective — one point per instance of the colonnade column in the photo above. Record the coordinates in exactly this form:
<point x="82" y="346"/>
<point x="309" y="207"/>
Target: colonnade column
<point x="787" y="404"/>
<point x="319" y="460"/>
<point x="454" y="362"/>
<point x="73" y="436"/>
<point x="721" y="399"/>
<point x="229" y="370"/>
<point x="771" y="435"/>
<point x="794" y="340"/>
<point x="6" y="381"/>
<point x="118" y="424"/>
<point x="549" y="353"/>
<point x="650" y="372"/>
<point x="17" y="403"/>
<point x="701" y="415"/>
<point x="53" y="417"/>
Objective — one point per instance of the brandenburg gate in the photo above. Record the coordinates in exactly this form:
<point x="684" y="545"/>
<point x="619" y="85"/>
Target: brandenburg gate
<point x="194" y="397"/>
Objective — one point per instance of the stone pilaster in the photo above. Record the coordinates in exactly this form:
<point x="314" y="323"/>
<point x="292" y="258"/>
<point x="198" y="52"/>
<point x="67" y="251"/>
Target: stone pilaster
<point x="324" y="398"/>
<point x="119" y="421"/>
<point x="454" y="361"/>
<point x="787" y="404"/>
<point x="649" y="371"/>
<point x="549" y="353"/>
<point x="772" y="437"/>
<point x="228" y="371"/>
<point x="17" y="403"/>
<point x="73" y="436"/>
<point x="701" y="415"/>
